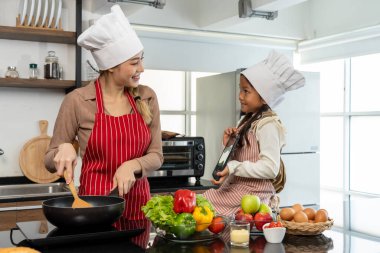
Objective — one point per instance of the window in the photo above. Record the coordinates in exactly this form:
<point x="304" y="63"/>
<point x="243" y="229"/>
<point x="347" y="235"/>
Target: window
<point x="349" y="125"/>
<point x="365" y="83"/>
<point x="175" y="92"/>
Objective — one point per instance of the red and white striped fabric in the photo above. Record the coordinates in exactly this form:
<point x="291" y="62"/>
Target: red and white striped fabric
<point x="227" y="198"/>
<point x="113" y="141"/>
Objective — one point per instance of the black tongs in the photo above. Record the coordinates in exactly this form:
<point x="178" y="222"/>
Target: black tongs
<point x="225" y="156"/>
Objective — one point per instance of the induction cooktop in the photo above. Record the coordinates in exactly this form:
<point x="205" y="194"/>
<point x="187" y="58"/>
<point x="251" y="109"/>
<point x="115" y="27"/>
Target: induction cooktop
<point x="43" y="233"/>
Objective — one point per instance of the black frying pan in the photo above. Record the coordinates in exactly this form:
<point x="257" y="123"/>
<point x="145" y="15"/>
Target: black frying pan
<point x="105" y="211"/>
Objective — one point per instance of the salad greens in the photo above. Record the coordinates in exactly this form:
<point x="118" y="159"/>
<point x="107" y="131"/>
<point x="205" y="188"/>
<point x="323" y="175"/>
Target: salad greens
<point x="159" y="210"/>
<point x="202" y="201"/>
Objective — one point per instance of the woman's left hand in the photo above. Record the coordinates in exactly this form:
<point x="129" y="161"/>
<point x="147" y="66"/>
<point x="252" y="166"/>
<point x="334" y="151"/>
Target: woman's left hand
<point x="124" y="178"/>
<point x="223" y="175"/>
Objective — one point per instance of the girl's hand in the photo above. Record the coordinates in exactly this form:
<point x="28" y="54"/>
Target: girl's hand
<point x="231" y="131"/>
<point x="223" y="175"/>
<point x="66" y="159"/>
<point x="125" y="178"/>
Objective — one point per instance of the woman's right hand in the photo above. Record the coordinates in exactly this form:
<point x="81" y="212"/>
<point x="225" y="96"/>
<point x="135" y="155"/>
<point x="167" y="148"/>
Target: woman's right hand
<point x="66" y="159"/>
<point x="231" y="131"/>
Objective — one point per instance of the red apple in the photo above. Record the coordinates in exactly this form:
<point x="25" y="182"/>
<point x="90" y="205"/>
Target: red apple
<point x="260" y="219"/>
<point x="241" y="216"/>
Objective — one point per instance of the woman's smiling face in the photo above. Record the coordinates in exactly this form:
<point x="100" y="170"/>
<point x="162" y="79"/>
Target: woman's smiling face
<point x="128" y="72"/>
<point x="250" y="99"/>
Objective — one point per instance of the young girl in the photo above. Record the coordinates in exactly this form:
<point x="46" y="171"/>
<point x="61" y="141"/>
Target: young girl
<point x="256" y="160"/>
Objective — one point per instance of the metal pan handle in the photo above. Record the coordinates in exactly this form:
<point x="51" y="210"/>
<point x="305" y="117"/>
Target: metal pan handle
<point x="11" y="236"/>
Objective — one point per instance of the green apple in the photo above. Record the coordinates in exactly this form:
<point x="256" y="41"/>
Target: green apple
<point x="250" y="203"/>
<point x="264" y="208"/>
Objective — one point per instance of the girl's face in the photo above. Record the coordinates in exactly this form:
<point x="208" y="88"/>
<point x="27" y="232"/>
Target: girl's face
<point x="250" y="100"/>
<point x="128" y="72"/>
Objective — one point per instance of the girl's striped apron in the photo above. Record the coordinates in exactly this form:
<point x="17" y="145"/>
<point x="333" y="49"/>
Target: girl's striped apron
<point x="113" y="141"/>
<point x="227" y="198"/>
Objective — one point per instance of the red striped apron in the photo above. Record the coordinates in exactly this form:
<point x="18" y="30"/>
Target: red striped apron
<point x="227" y="198"/>
<point x="113" y="141"/>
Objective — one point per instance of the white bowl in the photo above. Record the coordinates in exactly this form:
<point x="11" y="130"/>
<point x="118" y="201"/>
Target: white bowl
<point x="274" y="235"/>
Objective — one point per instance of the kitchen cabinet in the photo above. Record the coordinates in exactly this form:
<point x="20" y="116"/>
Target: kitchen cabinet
<point x="10" y="213"/>
<point x="52" y="36"/>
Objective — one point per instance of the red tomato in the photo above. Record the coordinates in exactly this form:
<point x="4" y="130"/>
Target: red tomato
<point x="275" y="224"/>
<point x="217" y="225"/>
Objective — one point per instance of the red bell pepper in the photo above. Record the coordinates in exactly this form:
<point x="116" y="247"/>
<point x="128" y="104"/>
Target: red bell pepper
<point x="184" y="201"/>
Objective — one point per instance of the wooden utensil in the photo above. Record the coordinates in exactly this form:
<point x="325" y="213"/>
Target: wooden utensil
<point x="32" y="155"/>
<point x="78" y="202"/>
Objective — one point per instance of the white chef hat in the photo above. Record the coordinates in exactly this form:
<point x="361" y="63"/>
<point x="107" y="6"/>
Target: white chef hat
<point x="273" y="77"/>
<point x="111" y="39"/>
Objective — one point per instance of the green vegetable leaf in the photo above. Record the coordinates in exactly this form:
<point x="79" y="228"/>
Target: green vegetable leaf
<point x="202" y="201"/>
<point x="159" y="210"/>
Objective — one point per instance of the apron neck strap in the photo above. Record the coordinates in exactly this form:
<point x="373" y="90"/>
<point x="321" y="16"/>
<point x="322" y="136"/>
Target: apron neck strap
<point x="99" y="98"/>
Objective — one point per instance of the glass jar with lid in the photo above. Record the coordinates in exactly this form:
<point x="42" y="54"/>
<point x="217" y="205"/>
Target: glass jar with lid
<point x="11" y="72"/>
<point x="33" y="71"/>
<point x="51" y="68"/>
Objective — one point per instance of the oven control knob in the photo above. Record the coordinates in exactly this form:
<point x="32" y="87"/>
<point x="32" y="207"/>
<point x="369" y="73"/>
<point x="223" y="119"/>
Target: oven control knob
<point x="200" y="166"/>
<point x="200" y="147"/>
<point x="200" y="157"/>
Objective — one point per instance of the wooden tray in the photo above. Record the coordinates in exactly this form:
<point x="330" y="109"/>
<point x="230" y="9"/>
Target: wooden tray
<point x="32" y="155"/>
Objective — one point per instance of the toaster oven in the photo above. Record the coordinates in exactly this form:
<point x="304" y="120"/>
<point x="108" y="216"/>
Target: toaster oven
<point x="183" y="157"/>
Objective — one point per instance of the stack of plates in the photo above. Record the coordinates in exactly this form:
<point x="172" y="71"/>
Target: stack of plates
<point x="40" y="13"/>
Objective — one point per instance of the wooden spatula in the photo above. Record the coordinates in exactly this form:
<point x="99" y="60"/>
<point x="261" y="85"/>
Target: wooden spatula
<point x="78" y="202"/>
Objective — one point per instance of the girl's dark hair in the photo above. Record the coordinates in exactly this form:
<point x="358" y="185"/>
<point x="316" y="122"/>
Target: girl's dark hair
<point x="247" y="121"/>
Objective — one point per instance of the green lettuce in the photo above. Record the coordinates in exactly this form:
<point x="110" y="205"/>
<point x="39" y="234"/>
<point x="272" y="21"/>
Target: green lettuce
<point x="159" y="210"/>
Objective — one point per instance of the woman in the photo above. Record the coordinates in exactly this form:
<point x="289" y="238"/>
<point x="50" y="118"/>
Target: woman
<point x="115" y="120"/>
<point x="256" y="160"/>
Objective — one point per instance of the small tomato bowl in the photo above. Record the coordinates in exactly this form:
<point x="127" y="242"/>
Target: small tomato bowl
<point x="274" y="235"/>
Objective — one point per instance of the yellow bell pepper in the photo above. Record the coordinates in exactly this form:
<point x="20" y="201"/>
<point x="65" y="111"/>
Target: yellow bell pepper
<point x="203" y="217"/>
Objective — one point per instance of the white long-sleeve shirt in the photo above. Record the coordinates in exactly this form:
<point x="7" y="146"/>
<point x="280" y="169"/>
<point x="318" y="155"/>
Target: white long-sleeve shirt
<point x="270" y="135"/>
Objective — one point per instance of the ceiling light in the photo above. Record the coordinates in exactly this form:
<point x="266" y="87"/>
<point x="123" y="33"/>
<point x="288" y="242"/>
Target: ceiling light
<point x="159" y="4"/>
<point x="246" y="11"/>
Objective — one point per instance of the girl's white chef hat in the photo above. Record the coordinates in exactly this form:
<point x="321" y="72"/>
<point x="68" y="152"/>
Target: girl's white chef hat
<point x="111" y="39"/>
<point x="273" y="77"/>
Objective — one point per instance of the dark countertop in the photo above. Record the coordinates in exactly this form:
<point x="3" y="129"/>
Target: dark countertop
<point x="171" y="185"/>
<point x="330" y="241"/>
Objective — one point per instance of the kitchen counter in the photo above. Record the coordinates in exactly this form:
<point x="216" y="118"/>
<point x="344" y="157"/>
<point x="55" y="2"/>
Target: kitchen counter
<point x="159" y="185"/>
<point x="330" y="241"/>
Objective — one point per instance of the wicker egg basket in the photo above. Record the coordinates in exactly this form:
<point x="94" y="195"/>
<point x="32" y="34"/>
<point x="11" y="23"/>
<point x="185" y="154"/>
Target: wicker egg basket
<point x="306" y="228"/>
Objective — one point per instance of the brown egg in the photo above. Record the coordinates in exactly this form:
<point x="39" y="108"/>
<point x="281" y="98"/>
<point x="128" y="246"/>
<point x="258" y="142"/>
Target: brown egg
<point x="310" y="212"/>
<point x="324" y="210"/>
<point x="321" y="216"/>
<point x="297" y="207"/>
<point x="311" y="221"/>
<point x="287" y="213"/>
<point x="300" y="216"/>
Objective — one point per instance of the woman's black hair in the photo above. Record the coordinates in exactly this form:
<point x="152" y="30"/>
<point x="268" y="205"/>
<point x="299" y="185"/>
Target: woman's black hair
<point x="247" y="121"/>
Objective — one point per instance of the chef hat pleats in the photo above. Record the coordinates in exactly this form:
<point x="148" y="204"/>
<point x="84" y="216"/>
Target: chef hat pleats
<point x="111" y="39"/>
<point x="273" y="77"/>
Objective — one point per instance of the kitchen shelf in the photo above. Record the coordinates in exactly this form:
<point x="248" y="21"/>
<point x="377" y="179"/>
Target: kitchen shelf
<point x="37" y="83"/>
<point x="38" y="35"/>
<point x="52" y="36"/>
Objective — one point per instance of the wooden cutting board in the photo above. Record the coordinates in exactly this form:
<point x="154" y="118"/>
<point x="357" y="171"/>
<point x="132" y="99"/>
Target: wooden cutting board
<point x="32" y="157"/>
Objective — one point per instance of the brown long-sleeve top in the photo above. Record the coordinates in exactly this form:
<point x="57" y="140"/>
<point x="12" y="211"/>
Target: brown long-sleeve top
<point x="76" y="117"/>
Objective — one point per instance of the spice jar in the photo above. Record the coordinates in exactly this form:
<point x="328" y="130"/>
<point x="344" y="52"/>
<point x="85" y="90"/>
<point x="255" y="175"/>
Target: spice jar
<point x="11" y="72"/>
<point x="51" y="66"/>
<point x="33" y="71"/>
